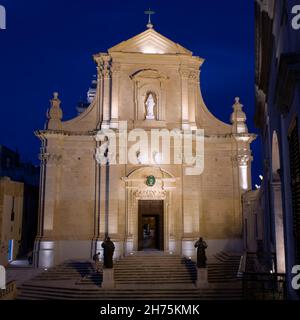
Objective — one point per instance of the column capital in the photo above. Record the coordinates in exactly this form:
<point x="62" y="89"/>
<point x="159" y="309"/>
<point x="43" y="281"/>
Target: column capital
<point x="194" y="75"/>
<point x="242" y="159"/>
<point x="184" y="72"/>
<point x="103" y="65"/>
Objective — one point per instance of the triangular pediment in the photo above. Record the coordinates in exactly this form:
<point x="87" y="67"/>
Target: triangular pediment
<point x="150" y="42"/>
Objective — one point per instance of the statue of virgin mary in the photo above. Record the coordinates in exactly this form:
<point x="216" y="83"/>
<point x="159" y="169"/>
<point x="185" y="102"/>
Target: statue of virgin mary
<point x="150" y="104"/>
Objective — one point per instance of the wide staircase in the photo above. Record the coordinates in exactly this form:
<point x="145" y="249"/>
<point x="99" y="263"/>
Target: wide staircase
<point x="143" y="276"/>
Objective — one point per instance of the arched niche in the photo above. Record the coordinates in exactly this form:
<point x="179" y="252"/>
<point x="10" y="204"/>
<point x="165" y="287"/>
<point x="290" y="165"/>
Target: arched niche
<point x="148" y="81"/>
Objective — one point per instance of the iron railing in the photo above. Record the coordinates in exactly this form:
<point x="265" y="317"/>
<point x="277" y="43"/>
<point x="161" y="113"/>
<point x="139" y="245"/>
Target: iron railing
<point x="260" y="281"/>
<point x="264" y="286"/>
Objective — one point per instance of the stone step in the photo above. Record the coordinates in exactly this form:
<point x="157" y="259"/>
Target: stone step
<point x="225" y="257"/>
<point x="138" y="296"/>
<point x="121" y="291"/>
<point x="149" y="275"/>
<point x="136" y="292"/>
<point x="133" y="292"/>
<point x="139" y="272"/>
<point x="61" y="293"/>
<point x="154" y="270"/>
<point x="137" y="277"/>
<point x="145" y="265"/>
<point x="157" y="269"/>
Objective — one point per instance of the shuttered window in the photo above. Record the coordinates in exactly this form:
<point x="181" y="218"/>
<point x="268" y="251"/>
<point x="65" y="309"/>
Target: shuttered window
<point x="295" y="185"/>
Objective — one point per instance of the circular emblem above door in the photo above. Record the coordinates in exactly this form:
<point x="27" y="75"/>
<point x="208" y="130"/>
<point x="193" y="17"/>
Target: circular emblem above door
<point x="150" y="181"/>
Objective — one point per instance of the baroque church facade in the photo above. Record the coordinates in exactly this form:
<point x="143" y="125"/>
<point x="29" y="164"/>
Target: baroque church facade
<point x="148" y="82"/>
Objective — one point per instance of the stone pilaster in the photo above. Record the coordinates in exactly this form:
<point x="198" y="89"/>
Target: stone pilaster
<point x="106" y="91"/>
<point x="99" y="96"/>
<point x="184" y="73"/>
<point x="52" y="161"/>
<point x="193" y="82"/>
<point x="97" y="204"/>
<point x="114" y="122"/>
<point x="41" y="189"/>
<point x="44" y="246"/>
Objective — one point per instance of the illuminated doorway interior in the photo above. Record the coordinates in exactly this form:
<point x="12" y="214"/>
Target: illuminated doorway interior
<point x="151" y="225"/>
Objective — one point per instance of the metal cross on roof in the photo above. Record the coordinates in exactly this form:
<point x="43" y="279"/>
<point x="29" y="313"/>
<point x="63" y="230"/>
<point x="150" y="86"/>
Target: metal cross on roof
<point x="150" y="13"/>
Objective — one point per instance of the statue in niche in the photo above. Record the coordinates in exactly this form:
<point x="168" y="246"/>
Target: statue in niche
<point x="150" y="104"/>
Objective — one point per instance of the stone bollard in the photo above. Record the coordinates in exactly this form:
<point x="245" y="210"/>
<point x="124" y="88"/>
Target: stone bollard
<point x="202" y="278"/>
<point x="108" y="281"/>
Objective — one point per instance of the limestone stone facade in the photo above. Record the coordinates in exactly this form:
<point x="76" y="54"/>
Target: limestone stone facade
<point x="81" y="200"/>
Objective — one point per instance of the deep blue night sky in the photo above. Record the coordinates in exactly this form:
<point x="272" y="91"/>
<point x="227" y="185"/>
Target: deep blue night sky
<point x="48" y="46"/>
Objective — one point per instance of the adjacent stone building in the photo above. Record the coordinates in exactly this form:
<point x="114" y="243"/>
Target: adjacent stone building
<point x="19" y="179"/>
<point x="277" y="115"/>
<point x="11" y="214"/>
<point x="147" y="82"/>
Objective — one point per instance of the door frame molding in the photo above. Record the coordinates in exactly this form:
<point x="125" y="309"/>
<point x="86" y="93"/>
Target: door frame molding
<point x="137" y="189"/>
